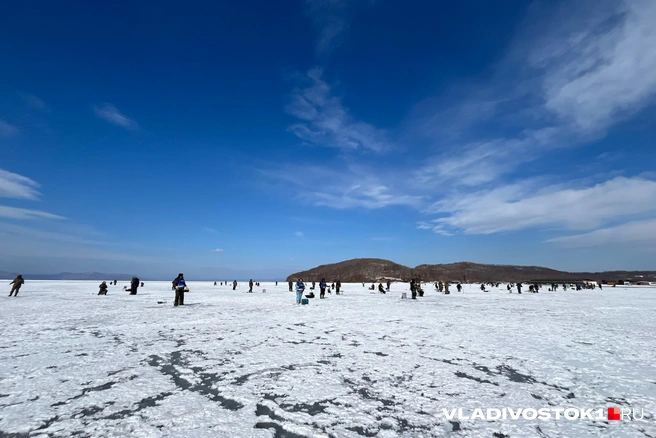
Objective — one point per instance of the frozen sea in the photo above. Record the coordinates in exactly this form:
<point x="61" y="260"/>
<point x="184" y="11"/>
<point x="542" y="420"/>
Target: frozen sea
<point x="232" y="364"/>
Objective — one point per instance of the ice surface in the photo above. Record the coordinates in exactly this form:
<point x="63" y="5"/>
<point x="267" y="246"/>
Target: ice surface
<point x="232" y="364"/>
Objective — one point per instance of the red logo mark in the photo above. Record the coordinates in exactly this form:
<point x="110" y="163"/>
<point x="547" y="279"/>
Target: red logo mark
<point x="613" y="413"/>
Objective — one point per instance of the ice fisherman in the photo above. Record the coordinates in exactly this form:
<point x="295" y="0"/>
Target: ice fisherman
<point x="300" y="288"/>
<point x="134" y="284"/>
<point x="250" y="286"/>
<point x="322" y="288"/>
<point x="291" y="285"/>
<point x="17" y="283"/>
<point x="179" y="286"/>
<point x="103" y="288"/>
<point x="381" y="289"/>
<point x="338" y="286"/>
<point x="234" y="285"/>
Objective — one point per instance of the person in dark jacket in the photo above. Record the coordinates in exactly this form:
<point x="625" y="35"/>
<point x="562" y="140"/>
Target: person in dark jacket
<point x="413" y="289"/>
<point x="338" y="286"/>
<point x="234" y="285"/>
<point x="179" y="285"/>
<point x="17" y="283"/>
<point x="250" y="286"/>
<point x="389" y="283"/>
<point x="291" y="286"/>
<point x="103" y="288"/>
<point x="322" y="288"/>
<point x="300" y="288"/>
<point x="381" y="289"/>
<point x="134" y="284"/>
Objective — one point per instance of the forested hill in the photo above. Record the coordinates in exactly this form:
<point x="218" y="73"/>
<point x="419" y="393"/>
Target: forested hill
<point x="370" y="270"/>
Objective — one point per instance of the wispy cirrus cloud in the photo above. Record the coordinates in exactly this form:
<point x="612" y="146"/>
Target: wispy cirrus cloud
<point x="570" y="76"/>
<point x="111" y="114"/>
<point x="32" y="101"/>
<point x="331" y="18"/>
<point x="7" y="129"/>
<point x="23" y="213"/>
<point x="324" y="121"/>
<point x="353" y="187"/>
<point x="527" y="205"/>
<point x="638" y="234"/>
<point x="217" y="250"/>
<point x="13" y="185"/>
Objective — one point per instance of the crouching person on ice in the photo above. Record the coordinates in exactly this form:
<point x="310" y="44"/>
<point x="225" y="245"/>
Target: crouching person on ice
<point x="300" y="288"/>
<point x="103" y="288"/>
<point x="179" y="286"/>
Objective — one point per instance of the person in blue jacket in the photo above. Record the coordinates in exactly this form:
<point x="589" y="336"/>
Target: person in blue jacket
<point x="300" y="288"/>
<point x="179" y="286"/>
<point x="322" y="288"/>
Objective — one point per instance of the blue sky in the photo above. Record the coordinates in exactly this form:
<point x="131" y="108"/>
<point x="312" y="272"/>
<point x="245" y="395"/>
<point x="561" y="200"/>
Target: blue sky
<point x="256" y="138"/>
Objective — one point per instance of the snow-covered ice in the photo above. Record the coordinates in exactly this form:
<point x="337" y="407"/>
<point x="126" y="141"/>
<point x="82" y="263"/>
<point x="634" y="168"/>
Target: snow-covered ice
<point x="231" y="364"/>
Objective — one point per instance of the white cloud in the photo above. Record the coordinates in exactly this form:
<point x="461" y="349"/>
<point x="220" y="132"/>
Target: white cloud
<point x="111" y="114"/>
<point x="7" y="129"/>
<point x="523" y="205"/>
<point x="352" y="187"/>
<point x="324" y="121"/>
<point x="637" y="234"/>
<point x="32" y="101"/>
<point x="217" y="250"/>
<point x="330" y="18"/>
<point x="299" y="234"/>
<point x="603" y="69"/>
<point x="569" y="77"/>
<point x="22" y="213"/>
<point x="22" y="233"/>
<point x="13" y="185"/>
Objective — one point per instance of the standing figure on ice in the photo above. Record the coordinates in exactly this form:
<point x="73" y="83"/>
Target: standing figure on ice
<point x="134" y="284"/>
<point x="300" y="288"/>
<point x="103" y="288"/>
<point x="17" y="283"/>
<point x="179" y="285"/>
<point x="413" y="289"/>
<point x="250" y="286"/>
<point x="338" y="286"/>
<point x="322" y="288"/>
<point x="291" y="285"/>
<point x="234" y="285"/>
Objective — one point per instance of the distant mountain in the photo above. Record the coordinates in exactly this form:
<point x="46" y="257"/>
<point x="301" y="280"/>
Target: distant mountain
<point x="68" y="276"/>
<point x="371" y="270"/>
